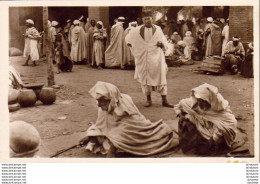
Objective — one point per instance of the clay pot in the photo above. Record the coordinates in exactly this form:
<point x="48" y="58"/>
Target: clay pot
<point x="36" y="87"/>
<point x="23" y="137"/>
<point x="27" y="98"/>
<point x="14" y="107"/>
<point x="13" y="96"/>
<point x="47" y="95"/>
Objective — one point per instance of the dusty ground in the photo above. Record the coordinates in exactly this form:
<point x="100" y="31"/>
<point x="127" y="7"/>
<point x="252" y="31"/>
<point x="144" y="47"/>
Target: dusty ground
<point x="77" y="109"/>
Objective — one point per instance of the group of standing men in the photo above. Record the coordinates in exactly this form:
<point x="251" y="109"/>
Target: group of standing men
<point x="145" y="44"/>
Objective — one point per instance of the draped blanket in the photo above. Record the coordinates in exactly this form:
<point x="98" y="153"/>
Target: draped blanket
<point x="126" y="128"/>
<point x="78" y="47"/>
<point x="217" y="121"/>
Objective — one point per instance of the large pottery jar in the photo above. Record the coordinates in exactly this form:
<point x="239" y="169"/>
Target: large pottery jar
<point x="13" y="96"/>
<point x="47" y="95"/>
<point x="14" y="107"/>
<point x="27" y="98"/>
<point x="24" y="139"/>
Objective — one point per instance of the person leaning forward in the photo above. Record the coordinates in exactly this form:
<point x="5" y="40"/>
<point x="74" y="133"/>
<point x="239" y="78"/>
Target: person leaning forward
<point x="147" y="43"/>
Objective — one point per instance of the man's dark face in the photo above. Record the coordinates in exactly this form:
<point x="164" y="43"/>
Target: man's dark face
<point x="147" y="21"/>
<point x="98" y="26"/>
<point x="93" y="23"/>
<point x="235" y="43"/>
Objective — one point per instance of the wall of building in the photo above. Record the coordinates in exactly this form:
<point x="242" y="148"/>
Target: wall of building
<point x="62" y="14"/>
<point x="17" y="27"/>
<point x="99" y="13"/>
<point x="241" y="22"/>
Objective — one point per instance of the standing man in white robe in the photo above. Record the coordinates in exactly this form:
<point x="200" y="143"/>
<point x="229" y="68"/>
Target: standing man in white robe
<point x="115" y="51"/>
<point x="225" y="36"/>
<point x="31" y="40"/>
<point x="147" y="43"/>
<point x="78" y="44"/>
<point x="128" y="56"/>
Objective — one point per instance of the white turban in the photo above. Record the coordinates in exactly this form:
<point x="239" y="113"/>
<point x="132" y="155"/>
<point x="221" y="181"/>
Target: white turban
<point x="81" y="18"/>
<point x="30" y="21"/>
<point x="181" y="43"/>
<point x="235" y="38"/>
<point x="100" y="22"/>
<point x="121" y="19"/>
<point x="210" y="19"/>
<point x="134" y="23"/>
<point x="188" y="33"/>
<point x="68" y="21"/>
<point x="175" y="33"/>
<point x="54" y="23"/>
<point x="251" y="46"/>
<point x="76" y="22"/>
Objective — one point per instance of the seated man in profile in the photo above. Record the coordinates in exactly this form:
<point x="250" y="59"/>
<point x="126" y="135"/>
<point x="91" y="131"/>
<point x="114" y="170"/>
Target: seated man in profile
<point x="234" y="54"/>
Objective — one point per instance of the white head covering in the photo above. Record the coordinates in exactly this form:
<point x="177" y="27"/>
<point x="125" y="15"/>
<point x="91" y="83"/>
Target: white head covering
<point x="100" y="22"/>
<point x="181" y="43"/>
<point x="181" y="18"/>
<point x="235" y="38"/>
<point x="210" y="94"/>
<point x="175" y="33"/>
<point x="188" y="33"/>
<point x="111" y="92"/>
<point x="49" y="23"/>
<point x="121" y="19"/>
<point x="68" y="20"/>
<point x="251" y="46"/>
<point x="210" y="19"/>
<point x="81" y="18"/>
<point x="222" y="20"/>
<point x="24" y="139"/>
<point x="54" y="23"/>
<point x="30" y="21"/>
<point x="134" y="23"/>
<point x="76" y="22"/>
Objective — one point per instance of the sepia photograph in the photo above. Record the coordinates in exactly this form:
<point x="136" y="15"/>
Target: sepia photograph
<point x="131" y="82"/>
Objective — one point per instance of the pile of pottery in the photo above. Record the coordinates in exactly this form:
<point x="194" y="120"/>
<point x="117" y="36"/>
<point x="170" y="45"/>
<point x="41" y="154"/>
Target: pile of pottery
<point x="29" y="95"/>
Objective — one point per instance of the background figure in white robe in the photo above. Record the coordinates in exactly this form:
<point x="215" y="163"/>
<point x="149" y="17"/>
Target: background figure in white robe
<point x="90" y="40"/>
<point x="225" y="35"/>
<point x="82" y="23"/>
<point x="78" y="48"/>
<point x="100" y="36"/>
<point x="51" y="34"/>
<point x="147" y="44"/>
<point x="67" y="29"/>
<point x="70" y="33"/>
<point x="31" y="41"/>
<point x="128" y="56"/>
<point x="189" y="45"/>
<point x="114" y="53"/>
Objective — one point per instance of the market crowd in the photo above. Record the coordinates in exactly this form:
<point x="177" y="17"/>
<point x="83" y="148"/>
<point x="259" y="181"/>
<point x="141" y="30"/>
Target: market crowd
<point x="91" y="43"/>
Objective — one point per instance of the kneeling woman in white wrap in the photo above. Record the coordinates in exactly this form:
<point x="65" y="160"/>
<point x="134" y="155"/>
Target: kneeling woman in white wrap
<point x="120" y="127"/>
